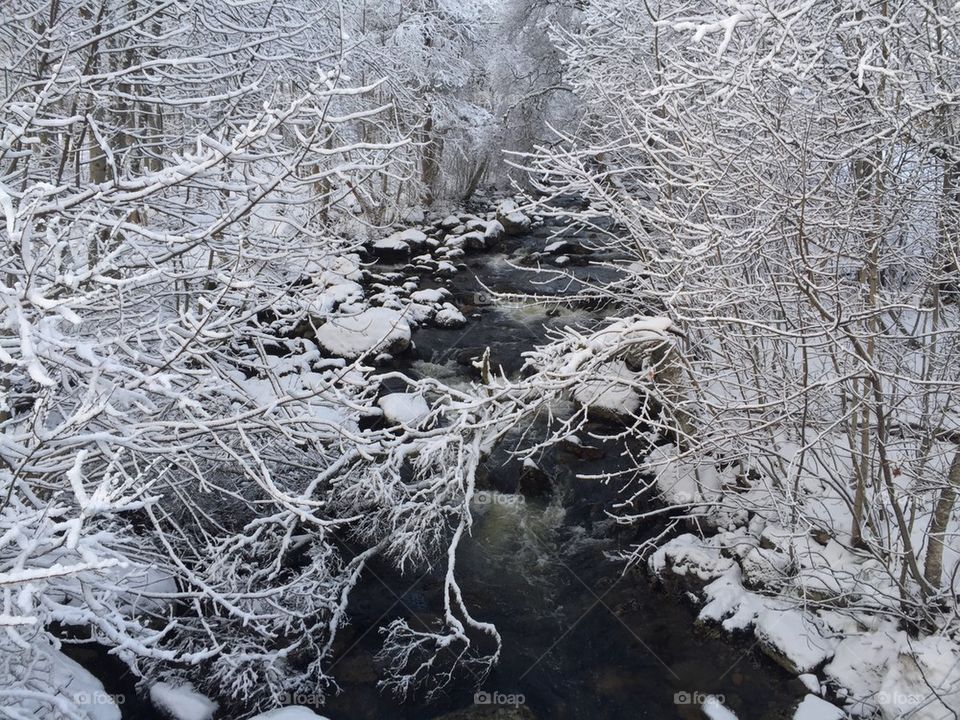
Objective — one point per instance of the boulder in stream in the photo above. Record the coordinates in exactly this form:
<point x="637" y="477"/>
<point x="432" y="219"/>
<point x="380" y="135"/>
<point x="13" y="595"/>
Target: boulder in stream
<point x="513" y="221"/>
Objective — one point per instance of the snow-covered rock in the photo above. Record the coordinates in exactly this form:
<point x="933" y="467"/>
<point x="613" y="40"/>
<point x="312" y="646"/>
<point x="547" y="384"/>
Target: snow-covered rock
<point x="474" y="241"/>
<point x="689" y="555"/>
<point x="792" y="638"/>
<point x="814" y="708"/>
<point x="449" y="317"/>
<point x="811" y="682"/>
<point x="390" y="250"/>
<point x="714" y="709"/>
<point x="513" y="221"/>
<point x="373" y="330"/>
<point x="493" y="232"/>
<point x="406" y="409"/>
<point x="292" y="712"/>
<point x="181" y="702"/>
<point x="610" y="393"/>
<point x="398" y="246"/>
<point x="430" y="295"/>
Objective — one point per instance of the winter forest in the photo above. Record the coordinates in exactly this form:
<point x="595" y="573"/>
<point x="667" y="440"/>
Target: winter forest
<point x="461" y="359"/>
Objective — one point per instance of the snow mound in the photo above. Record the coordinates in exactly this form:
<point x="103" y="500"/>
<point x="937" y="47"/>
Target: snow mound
<point x="370" y="331"/>
<point x="181" y="702"/>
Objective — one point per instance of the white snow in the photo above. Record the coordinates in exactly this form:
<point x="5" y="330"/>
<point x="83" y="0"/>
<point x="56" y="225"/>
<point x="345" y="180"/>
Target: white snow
<point x="449" y="316"/>
<point x="182" y="702"/>
<point x="412" y="236"/>
<point x="814" y="708"/>
<point x="58" y="679"/>
<point x="369" y="331"/>
<point x="610" y="391"/>
<point x="811" y="682"/>
<point x="404" y="408"/>
<point x="391" y="243"/>
<point x="716" y="710"/>
<point x="930" y="662"/>
<point x="293" y="712"/>
<point x="792" y="634"/>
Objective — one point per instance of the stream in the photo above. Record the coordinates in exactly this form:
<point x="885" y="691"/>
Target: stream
<point x="581" y="638"/>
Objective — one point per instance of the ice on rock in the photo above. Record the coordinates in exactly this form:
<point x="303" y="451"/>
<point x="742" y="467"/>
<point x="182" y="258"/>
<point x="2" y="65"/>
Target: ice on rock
<point x="181" y="702"/>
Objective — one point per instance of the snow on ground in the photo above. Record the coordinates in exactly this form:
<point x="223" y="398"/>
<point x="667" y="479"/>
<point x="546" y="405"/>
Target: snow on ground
<point x="918" y="666"/>
<point x="181" y="702"/>
<point x="370" y="331"/>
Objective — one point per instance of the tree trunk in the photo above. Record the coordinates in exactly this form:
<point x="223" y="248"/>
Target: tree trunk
<point x="933" y="567"/>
